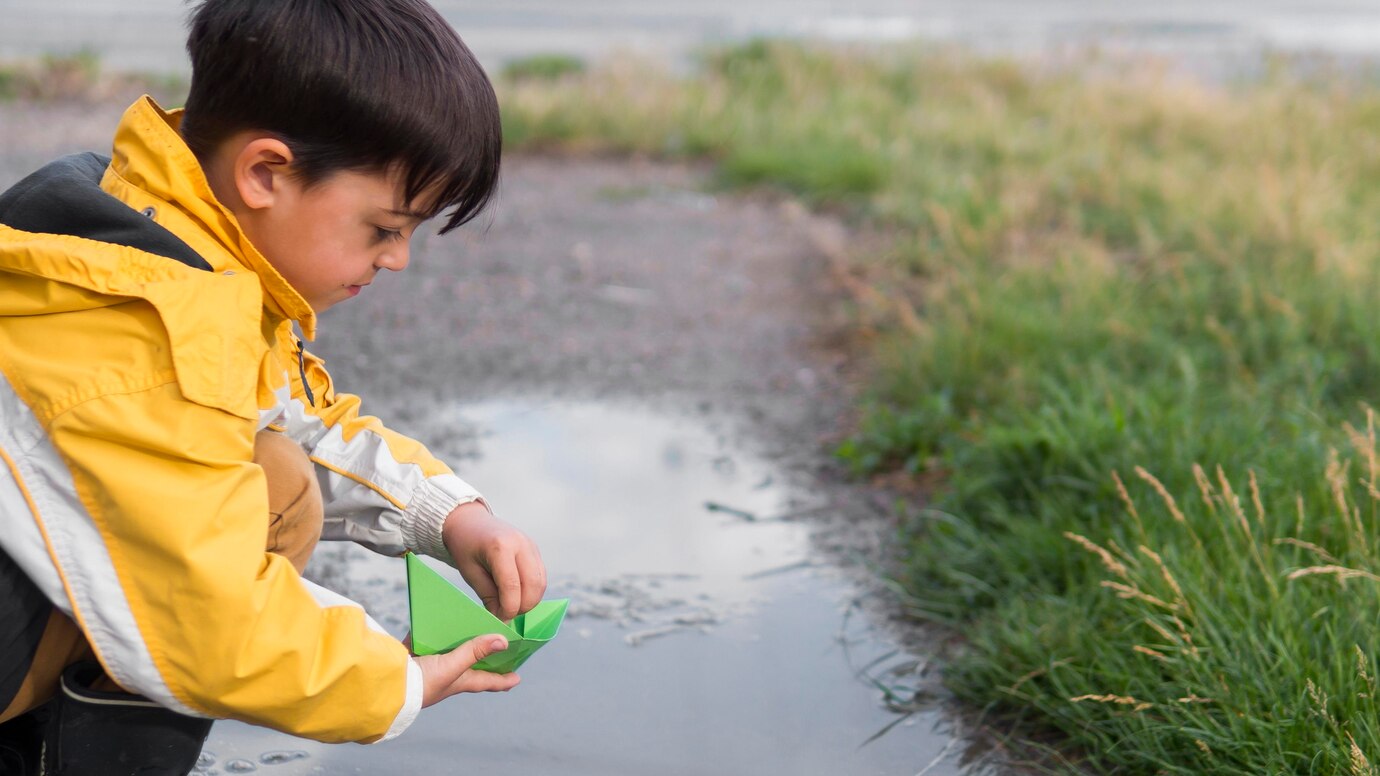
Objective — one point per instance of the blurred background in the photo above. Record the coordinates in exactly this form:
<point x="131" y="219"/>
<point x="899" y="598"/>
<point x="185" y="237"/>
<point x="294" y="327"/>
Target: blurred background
<point x="143" y="34"/>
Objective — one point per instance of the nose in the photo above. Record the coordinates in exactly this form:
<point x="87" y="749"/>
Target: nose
<point x="395" y="258"/>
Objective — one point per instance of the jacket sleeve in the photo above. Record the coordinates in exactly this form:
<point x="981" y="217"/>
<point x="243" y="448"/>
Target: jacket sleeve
<point x="381" y="489"/>
<point x="162" y="560"/>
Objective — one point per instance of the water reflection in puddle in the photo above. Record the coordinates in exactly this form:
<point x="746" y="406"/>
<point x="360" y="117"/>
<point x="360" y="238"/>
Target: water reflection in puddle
<point x="699" y="641"/>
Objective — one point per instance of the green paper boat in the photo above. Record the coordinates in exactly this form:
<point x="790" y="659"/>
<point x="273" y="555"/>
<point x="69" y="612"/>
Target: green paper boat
<point x="443" y="618"/>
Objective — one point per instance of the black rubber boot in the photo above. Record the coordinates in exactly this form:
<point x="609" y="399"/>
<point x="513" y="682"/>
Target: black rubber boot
<point x="95" y="733"/>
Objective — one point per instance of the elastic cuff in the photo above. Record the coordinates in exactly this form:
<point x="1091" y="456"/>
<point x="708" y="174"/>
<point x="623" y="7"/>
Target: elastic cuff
<point x="432" y="503"/>
<point x="411" y="705"/>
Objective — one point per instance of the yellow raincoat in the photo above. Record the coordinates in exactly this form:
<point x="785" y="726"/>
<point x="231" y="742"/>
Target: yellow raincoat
<point x="140" y="355"/>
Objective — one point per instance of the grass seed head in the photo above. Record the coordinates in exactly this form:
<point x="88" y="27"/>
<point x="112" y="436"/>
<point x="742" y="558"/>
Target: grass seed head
<point x="1340" y="572"/>
<point x="1205" y="487"/>
<point x="1163" y="492"/>
<point x="1113" y="565"/>
<point x="1144" y="650"/>
<point x="1311" y="547"/>
<point x="1360" y="766"/>
<point x="1188" y="640"/>
<point x="1229" y="496"/>
<point x="1336" y="475"/>
<point x="1320" y="702"/>
<point x="1168" y="577"/>
<point x="1363" y="669"/>
<point x="1123" y="700"/>
<point x="1255" y="501"/>
<point x="1131" y="592"/>
<point x="1126" y="499"/>
<point x="1160" y="629"/>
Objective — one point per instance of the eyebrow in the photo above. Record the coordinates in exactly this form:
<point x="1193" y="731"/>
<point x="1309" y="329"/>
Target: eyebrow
<point x="417" y="214"/>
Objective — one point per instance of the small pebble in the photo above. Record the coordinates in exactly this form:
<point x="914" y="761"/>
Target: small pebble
<point x="240" y="766"/>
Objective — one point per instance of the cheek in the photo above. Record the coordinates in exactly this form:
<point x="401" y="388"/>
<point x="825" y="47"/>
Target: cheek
<point x="322" y="245"/>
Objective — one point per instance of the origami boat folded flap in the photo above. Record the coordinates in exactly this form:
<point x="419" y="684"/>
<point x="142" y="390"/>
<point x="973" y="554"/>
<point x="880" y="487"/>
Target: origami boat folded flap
<point x="443" y="618"/>
<point x="543" y="621"/>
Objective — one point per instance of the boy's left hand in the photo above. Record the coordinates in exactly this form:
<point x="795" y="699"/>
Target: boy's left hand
<point x="496" y="559"/>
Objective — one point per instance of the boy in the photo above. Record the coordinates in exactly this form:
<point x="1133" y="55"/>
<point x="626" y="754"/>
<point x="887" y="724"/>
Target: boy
<point x="171" y="455"/>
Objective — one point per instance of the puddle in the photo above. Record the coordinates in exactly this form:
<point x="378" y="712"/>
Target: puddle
<point x="699" y="640"/>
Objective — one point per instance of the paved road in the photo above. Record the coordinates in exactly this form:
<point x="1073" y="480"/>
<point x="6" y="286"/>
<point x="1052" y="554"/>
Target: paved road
<point x="146" y="34"/>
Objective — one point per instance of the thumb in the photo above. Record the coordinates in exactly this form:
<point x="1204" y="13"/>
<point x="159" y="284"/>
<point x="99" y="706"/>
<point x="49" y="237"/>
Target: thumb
<point x="448" y="674"/>
<point x="475" y="650"/>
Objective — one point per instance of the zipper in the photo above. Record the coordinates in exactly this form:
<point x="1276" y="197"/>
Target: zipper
<point x="302" y="370"/>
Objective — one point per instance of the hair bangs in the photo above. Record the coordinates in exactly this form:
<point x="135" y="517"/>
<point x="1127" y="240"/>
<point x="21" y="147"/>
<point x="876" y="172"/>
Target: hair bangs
<point x="456" y="168"/>
<point x="350" y="85"/>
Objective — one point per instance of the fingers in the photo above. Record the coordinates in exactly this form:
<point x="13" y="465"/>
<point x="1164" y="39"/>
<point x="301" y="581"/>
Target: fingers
<point x="520" y="578"/>
<point x="477" y="577"/>
<point x="467" y="678"/>
<point x="504" y="569"/>
<point x="508" y="580"/>
<point x="454" y="672"/>
<point x="463" y="657"/>
<point x="484" y="681"/>
<point x="498" y="561"/>
<point x="533" y="575"/>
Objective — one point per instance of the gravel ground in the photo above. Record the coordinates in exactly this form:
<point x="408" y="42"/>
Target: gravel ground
<point x="622" y="281"/>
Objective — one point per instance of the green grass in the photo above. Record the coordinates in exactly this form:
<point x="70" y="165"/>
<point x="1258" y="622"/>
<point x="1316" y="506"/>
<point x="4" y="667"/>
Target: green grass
<point x="1112" y="267"/>
<point x="542" y="67"/>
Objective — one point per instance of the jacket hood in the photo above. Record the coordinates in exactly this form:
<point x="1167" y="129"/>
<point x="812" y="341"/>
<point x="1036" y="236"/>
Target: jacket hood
<point x="65" y="198"/>
<point x="152" y="179"/>
<point x="66" y="244"/>
<point x="153" y="166"/>
<point x="151" y="160"/>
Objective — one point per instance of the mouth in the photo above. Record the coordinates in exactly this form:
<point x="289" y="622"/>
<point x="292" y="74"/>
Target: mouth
<point x="354" y="290"/>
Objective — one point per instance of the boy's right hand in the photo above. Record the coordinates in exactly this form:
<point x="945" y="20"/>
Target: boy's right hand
<point x="454" y="672"/>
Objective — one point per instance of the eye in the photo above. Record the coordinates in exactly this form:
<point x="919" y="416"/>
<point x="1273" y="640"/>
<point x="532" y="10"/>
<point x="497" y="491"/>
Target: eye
<point x="382" y="234"/>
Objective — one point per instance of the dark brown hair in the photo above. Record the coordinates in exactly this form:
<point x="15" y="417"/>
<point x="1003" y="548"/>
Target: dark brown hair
<point x="361" y="85"/>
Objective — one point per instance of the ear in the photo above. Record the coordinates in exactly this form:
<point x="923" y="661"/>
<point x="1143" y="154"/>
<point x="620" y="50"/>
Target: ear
<point x="262" y="172"/>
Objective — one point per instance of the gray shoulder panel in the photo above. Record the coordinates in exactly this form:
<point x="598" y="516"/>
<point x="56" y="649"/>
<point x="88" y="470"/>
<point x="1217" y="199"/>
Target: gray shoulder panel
<point x="65" y="197"/>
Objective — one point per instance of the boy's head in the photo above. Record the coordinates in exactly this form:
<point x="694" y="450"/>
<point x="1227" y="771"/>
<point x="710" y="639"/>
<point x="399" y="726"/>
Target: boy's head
<point x="298" y="108"/>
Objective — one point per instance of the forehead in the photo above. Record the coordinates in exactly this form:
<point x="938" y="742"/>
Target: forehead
<point x="383" y="190"/>
<point x="387" y="191"/>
